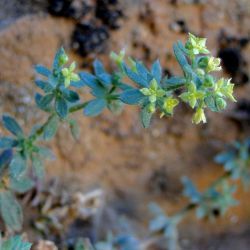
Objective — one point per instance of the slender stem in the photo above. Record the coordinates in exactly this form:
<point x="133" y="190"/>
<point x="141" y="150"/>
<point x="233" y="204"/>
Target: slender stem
<point x="78" y="107"/>
<point x="41" y="129"/>
<point x="71" y="110"/>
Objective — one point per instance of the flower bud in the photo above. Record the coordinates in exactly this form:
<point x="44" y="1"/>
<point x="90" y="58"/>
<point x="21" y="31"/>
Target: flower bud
<point x="199" y="116"/>
<point x="208" y="81"/>
<point x="63" y="59"/>
<point x="220" y="103"/>
<point x="203" y="62"/>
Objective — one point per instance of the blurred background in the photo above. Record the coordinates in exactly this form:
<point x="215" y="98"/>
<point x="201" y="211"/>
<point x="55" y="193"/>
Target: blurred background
<point x="117" y="167"/>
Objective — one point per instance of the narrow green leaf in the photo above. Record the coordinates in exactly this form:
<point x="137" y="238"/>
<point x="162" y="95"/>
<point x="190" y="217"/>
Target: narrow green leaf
<point x="95" y="107"/>
<point x="22" y="184"/>
<point x="44" y="101"/>
<point x="45" y="152"/>
<point x="45" y="86"/>
<point x="7" y="142"/>
<point x="142" y="70"/>
<point x="131" y="96"/>
<point x="78" y="84"/>
<point x="70" y="95"/>
<point x="98" y="67"/>
<point x="40" y="69"/>
<point x="51" y="128"/>
<point x="61" y="107"/>
<point x="156" y="71"/>
<point x="89" y="80"/>
<point x="11" y="211"/>
<point x="145" y="117"/>
<point x="37" y="166"/>
<point x="11" y="124"/>
<point x="180" y="56"/>
<point x="135" y="77"/>
<point x="105" y="79"/>
<point x="17" y="165"/>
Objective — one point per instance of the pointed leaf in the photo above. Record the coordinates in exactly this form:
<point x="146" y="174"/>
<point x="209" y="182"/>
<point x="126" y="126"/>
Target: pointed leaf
<point x="7" y="142"/>
<point x="61" y="107"/>
<point x="156" y="71"/>
<point x="145" y="117"/>
<point x="95" y="107"/>
<point x="98" y="67"/>
<point x="11" y="124"/>
<point x="11" y="211"/>
<point x="70" y="96"/>
<point x="44" y="101"/>
<point x="40" y="69"/>
<point x="131" y="96"/>
<point x="180" y="56"/>
<point x="51" y="128"/>
<point x="37" y="166"/>
<point x="17" y="165"/>
<point x="45" y="86"/>
<point x="135" y="77"/>
<point x="22" y="184"/>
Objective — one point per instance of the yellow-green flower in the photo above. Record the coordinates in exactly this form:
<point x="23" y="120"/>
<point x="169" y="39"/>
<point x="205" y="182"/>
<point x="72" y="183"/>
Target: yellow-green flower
<point x="192" y="95"/>
<point x="69" y="74"/>
<point x="225" y="88"/>
<point x="118" y="58"/>
<point x="213" y="64"/>
<point x="199" y="116"/>
<point x="196" y="45"/>
<point x="169" y="104"/>
<point x="153" y="92"/>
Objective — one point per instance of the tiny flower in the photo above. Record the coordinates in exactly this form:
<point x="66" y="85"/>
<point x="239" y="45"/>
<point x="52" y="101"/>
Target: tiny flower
<point x="153" y="92"/>
<point x="213" y="64"/>
<point x="169" y="104"/>
<point x="225" y="88"/>
<point x="196" y="45"/>
<point x="69" y="74"/>
<point x="118" y="58"/>
<point x="192" y="95"/>
<point x="199" y="116"/>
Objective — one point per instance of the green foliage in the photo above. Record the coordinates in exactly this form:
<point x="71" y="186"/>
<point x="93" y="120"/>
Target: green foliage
<point x="22" y="157"/>
<point x="236" y="161"/>
<point x="14" y="243"/>
<point x="212" y="202"/>
<point x="165" y="225"/>
<point x="11" y="211"/>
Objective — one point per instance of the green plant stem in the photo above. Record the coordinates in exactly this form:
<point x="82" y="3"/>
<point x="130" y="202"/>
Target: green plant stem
<point x="73" y="109"/>
<point x="41" y="129"/>
<point x="78" y="107"/>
